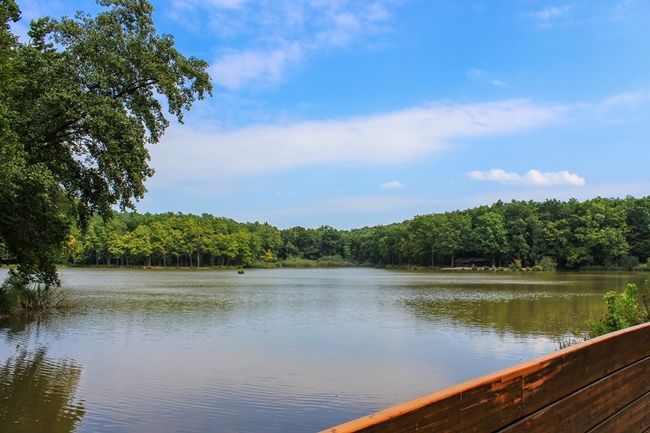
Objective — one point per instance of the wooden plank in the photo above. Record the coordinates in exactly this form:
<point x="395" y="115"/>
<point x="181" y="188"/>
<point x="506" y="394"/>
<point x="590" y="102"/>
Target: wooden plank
<point x="634" y="418"/>
<point x="587" y="362"/>
<point x="587" y="407"/>
<point x="492" y="401"/>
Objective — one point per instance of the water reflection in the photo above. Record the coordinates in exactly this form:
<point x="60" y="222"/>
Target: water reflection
<point x="274" y="350"/>
<point x="37" y="392"/>
<point x="522" y="314"/>
<point x="530" y="305"/>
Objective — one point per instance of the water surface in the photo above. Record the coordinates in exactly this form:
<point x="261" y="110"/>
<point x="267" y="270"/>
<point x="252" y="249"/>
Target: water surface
<point x="273" y="350"/>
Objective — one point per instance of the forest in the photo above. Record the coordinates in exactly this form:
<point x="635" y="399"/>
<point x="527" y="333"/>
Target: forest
<point x="600" y="232"/>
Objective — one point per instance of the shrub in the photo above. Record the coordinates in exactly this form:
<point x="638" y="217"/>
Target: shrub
<point x="18" y="293"/>
<point x="643" y="267"/>
<point x="627" y="262"/>
<point x="515" y="265"/>
<point x="623" y="311"/>
<point x="547" y="264"/>
<point x="297" y="262"/>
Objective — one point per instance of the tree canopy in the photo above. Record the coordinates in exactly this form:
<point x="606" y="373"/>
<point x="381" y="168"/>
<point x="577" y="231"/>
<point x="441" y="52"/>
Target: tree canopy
<point x="79" y="103"/>
<point x="601" y="232"/>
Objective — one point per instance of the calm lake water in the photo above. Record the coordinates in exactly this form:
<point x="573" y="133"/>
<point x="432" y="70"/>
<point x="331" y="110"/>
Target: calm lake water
<point x="273" y="350"/>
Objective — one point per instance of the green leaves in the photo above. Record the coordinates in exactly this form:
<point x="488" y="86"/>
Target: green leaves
<point x="79" y="104"/>
<point x="623" y="311"/>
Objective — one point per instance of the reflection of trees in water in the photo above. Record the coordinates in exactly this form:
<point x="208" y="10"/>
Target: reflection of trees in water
<point x="20" y="328"/>
<point x="521" y="314"/>
<point x="37" y="393"/>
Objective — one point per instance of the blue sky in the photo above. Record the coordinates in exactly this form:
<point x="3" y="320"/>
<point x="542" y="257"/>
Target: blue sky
<point x="366" y="112"/>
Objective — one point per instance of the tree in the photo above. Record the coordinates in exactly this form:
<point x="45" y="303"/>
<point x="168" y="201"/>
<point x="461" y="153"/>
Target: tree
<point x="454" y="233"/>
<point x="489" y="235"/>
<point x="79" y="103"/>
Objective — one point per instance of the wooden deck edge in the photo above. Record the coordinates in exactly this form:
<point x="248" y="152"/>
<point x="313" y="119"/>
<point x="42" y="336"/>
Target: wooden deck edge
<point x="504" y="375"/>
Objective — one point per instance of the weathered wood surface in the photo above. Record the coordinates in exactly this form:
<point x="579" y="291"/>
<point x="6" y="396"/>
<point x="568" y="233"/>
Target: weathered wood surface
<point x="601" y="385"/>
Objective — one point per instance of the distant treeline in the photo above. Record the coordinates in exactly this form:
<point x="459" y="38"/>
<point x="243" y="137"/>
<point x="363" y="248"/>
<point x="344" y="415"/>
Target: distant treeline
<point x="597" y="232"/>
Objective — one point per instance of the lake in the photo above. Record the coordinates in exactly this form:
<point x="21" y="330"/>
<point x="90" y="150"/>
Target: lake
<point x="273" y="349"/>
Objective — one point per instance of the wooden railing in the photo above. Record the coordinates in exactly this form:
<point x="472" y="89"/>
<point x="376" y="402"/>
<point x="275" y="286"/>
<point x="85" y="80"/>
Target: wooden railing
<point x="601" y="385"/>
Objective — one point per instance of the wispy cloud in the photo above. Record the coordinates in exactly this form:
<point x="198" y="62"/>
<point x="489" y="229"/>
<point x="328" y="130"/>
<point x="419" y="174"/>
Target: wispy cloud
<point x="630" y="99"/>
<point x="393" y="184"/>
<point x="263" y="39"/>
<point x="552" y="15"/>
<point x="478" y="74"/>
<point x="531" y="178"/>
<point x="385" y="138"/>
<point x="623" y="7"/>
<point x="236" y="68"/>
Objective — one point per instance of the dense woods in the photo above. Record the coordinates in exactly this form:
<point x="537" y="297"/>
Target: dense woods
<point x="605" y="232"/>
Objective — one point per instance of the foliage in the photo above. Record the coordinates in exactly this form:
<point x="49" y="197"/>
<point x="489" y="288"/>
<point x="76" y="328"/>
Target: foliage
<point x="334" y="262"/>
<point x="18" y="293"/>
<point x="623" y="311"/>
<point x="297" y="262"/>
<point x="547" y="264"/>
<point x="515" y="265"/>
<point x="79" y="103"/>
<point x="625" y="262"/>
<point x="643" y="266"/>
<point x="182" y="240"/>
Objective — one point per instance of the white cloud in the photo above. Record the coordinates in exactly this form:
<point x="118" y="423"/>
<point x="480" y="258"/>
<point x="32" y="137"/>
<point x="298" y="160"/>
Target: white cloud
<point x="385" y="138"/>
<point x="240" y="67"/>
<point x="532" y="178"/>
<point x="264" y="39"/>
<point x="393" y="184"/>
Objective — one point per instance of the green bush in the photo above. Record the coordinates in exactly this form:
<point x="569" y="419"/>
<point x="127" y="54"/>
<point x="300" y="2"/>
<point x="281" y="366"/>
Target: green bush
<point x="547" y="264"/>
<point x="17" y="293"/>
<point x="627" y="262"/>
<point x="297" y="262"/>
<point x="623" y="311"/>
<point x="643" y="266"/>
<point x="515" y="265"/>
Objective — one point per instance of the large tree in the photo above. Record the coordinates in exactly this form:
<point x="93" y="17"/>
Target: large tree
<point x="79" y="103"/>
